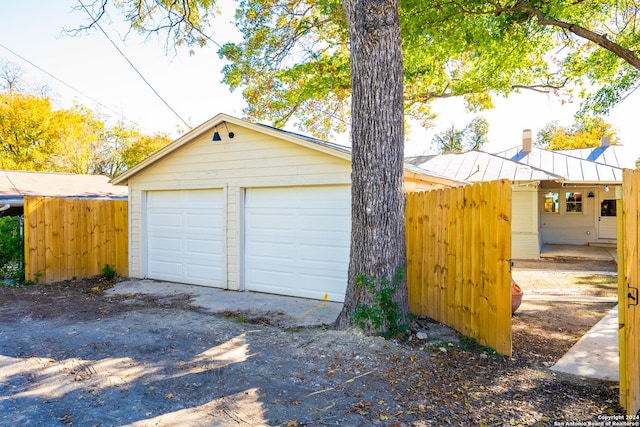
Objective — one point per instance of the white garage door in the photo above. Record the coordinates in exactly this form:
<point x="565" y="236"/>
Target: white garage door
<point x="297" y="241"/>
<point x="184" y="236"/>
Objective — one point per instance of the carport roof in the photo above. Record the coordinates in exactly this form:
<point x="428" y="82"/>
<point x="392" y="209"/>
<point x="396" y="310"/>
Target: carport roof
<point x="17" y="184"/>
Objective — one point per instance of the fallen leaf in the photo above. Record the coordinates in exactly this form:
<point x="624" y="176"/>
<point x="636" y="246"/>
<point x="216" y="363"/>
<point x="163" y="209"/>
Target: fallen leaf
<point x="292" y="423"/>
<point x="169" y="396"/>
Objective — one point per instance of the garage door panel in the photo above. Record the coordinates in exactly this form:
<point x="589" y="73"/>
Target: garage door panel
<point x="166" y="220"/>
<point x="325" y="222"/>
<point x="168" y="268"/>
<point x="271" y="220"/>
<point x="185" y="236"/>
<point x="200" y="247"/>
<point x="166" y="243"/>
<point x="297" y="241"/>
<point x="200" y="272"/>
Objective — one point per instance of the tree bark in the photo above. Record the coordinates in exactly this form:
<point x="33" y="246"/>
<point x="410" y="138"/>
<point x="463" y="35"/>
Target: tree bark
<point x="378" y="219"/>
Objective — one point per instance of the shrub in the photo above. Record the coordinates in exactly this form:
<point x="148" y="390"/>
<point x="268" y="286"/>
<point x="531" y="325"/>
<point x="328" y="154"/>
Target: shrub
<point x="11" y="249"/>
<point x="108" y="272"/>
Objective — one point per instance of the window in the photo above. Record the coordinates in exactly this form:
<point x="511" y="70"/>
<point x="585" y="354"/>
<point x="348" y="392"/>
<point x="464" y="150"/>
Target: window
<point x="608" y="208"/>
<point x="574" y="202"/>
<point x="551" y="202"/>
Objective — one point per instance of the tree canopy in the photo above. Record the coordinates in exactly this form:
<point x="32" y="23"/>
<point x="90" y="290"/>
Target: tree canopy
<point x="293" y="61"/>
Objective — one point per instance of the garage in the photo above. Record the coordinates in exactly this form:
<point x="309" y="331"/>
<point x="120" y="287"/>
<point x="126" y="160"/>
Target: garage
<point x="297" y="241"/>
<point x="185" y="236"/>
<point x="275" y="217"/>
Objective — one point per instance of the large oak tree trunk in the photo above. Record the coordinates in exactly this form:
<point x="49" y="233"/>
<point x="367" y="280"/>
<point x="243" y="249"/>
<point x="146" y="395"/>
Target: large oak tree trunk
<point x="378" y="202"/>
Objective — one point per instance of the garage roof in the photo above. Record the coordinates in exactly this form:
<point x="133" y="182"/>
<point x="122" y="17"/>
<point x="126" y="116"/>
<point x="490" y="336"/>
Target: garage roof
<point x="224" y="122"/>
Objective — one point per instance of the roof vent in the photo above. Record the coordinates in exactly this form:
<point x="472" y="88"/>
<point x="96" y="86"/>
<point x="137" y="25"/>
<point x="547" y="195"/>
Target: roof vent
<point x="526" y="140"/>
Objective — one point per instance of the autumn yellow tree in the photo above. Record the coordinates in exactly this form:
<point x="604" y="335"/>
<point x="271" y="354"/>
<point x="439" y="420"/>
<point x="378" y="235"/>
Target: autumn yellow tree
<point x="126" y="146"/>
<point x="28" y="137"/>
<point x="36" y="136"/>
<point x="583" y="134"/>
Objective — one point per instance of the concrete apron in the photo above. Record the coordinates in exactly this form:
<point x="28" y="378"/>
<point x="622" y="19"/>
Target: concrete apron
<point x="596" y="354"/>
<point x="278" y="310"/>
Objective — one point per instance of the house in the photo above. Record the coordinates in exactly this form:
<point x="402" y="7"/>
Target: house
<point x="244" y="206"/>
<point x="15" y="185"/>
<point x="558" y="198"/>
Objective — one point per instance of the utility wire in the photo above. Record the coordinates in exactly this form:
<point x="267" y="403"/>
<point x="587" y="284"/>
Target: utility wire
<point x="133" y="66"/>
<point x="64" y="83"/>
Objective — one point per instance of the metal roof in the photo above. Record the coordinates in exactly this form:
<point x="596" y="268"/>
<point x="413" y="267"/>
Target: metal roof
<point x="572" y="169"/>
<point x="17" y="184"/>
<point x="477" y="166"/>
<point x="611" y="155"/>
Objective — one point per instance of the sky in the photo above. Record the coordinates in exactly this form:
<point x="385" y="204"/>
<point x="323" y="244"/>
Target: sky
<point x="189" y="79"/>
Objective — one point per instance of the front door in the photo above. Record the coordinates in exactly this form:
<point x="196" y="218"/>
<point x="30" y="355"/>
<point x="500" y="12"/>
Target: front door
<point x="607" y="215"/>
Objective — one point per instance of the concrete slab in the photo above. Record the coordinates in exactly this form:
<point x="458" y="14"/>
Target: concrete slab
<point x="529" y="296"/>
<point x="279" y="310"/>
<point x="596" y="354"/>
<point x="594" y="253"/>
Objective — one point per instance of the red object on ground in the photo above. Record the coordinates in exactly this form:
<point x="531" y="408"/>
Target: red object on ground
<point x="516" y="296"/>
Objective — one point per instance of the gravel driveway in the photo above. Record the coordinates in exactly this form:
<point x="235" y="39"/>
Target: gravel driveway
<point x="71" y="355"/>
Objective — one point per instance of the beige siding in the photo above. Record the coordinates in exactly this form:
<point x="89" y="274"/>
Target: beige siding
<point x="569" y="228"/>
<point x="525" y="223"/>
<point x="251" y="159"/>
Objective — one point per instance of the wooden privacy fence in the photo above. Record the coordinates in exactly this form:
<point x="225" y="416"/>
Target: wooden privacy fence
<point x="458" y="259"/>
<point x="66" y="238"/>
<point x="628" y="213"/>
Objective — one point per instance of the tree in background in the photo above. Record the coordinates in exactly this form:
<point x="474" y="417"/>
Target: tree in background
<point x="583" y="134"/>
<point x="125" y="147"/>
<point x="471" y="137"/>
<point x="35" y="136"/>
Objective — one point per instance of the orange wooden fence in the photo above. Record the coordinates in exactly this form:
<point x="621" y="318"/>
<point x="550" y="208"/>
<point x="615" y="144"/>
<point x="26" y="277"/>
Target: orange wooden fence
<point x="458" y="259"/>
<point x="66" y="238"/>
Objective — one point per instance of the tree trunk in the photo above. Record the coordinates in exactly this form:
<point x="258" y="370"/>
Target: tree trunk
<point x="378" y="224"/>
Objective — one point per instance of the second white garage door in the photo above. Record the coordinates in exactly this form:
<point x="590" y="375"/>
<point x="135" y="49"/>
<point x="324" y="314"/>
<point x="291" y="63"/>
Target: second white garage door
<point x="297" y="241"/>
<point x="185" y="236"/>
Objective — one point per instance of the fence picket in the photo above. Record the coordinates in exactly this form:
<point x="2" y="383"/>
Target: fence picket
<point x="66" y="237"/>
<point x="458" y="250"/>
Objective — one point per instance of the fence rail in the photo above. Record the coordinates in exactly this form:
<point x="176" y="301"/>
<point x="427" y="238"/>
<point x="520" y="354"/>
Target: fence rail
<point x="66" y="238"/>
<point x="458" y="259"/>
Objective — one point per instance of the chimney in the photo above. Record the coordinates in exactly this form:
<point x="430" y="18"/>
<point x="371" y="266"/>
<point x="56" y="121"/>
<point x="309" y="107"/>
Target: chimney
<point x="526" y="140"/>
<point x="605" y="141"/>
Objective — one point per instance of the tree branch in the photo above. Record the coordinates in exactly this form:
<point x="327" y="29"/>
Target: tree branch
<point x="601" y="40"/>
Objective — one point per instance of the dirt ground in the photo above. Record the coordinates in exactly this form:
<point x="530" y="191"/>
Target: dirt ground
<point x="69" y="355"/>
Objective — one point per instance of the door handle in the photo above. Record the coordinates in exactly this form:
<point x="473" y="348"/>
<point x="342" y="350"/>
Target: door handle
<point x="633" y="295"/>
